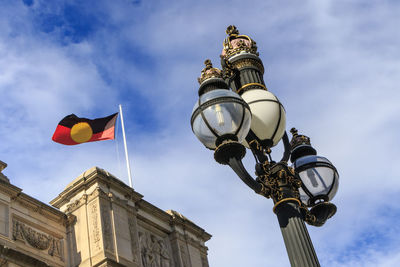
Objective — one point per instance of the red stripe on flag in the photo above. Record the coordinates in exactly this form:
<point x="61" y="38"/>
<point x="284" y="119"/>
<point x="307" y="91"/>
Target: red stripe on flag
<point x="62" y="135"/>
<point x="107" y="134"/>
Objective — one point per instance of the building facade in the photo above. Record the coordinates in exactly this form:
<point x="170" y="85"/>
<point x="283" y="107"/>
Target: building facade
<point x="96" y="221"/>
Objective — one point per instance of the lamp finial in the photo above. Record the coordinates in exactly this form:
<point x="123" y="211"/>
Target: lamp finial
<point x="209" y="72"/>
<point x="232" y="30"/>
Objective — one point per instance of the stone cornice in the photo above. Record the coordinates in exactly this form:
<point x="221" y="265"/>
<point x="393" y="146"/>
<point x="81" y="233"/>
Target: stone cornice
<point x="187" y="225"/>
<point x="16" y="195"/>
<point x="154" y="211"/>
<point x="13" y="255"/>
<point x="193" y="242"/>
<point x="9" y="189"/>
<point x="87" y="179"/>
<point x="173" y="218"/>
<point x="40" y="207"/>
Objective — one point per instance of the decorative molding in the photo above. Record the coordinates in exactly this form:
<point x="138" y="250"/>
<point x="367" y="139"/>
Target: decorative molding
<point x="71" y="220"/>
<point x="248" y="63"/>
<point x="97" y="192"/>
<point x="36" y="239"/>
<point x="19" y="258"/>
<point x="177" y="219"/>
<point x="121" y="202"/>
<point x="109" y="263"/>
<point x="187" y="239"/>
<point x="235" y="43"/>
<point x="209" y="72"/>
<point x="89" y="178"/>
<point x="32" y="204"/>
<point x="76" y="204"/>
<point x="84" y="199"/>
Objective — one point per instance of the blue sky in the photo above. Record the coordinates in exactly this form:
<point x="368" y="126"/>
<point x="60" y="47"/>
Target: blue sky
<point x="333" y="64"/>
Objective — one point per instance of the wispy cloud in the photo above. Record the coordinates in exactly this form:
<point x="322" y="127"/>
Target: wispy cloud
<point x="334" y="65"/>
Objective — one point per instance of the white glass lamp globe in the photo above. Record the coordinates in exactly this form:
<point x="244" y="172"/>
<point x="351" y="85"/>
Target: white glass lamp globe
<point x="319" y="178"/>
<point x="218" y="113"/>
<point x="268" y="120"/>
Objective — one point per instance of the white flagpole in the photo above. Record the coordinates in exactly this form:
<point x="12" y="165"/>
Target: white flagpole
<point x="126" y="148"/>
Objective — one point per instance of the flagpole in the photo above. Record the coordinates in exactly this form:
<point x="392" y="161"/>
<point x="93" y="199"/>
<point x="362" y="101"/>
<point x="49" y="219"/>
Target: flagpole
<point x="126" y="148"/>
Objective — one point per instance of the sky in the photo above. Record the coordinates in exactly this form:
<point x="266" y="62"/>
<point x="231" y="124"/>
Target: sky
<point x="335" y="66"/>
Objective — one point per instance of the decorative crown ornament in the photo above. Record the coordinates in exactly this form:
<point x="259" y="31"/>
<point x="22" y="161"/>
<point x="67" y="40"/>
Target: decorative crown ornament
<point x="209" y="72"/>
<point x="235" y="43"/>
<point x="300" y="146"/>
<point x="298" y="140"/>
<point x="232" y="30"/>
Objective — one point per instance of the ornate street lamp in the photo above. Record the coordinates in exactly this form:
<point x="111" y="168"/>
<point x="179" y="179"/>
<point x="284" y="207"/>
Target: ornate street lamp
<point x="235" y="111"/>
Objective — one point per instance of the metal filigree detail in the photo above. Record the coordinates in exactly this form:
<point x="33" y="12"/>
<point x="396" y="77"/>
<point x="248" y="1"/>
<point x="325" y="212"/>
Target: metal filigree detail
<point x="235" y="43"/>
<point x="279" y="182"/>
<point x="232" y="30"/>
<point x="308" y="217"/>
<point x="318" y="214"/>
<point x="250" y="86"/>
<point x="209" y="72"/>
<point x="228" y="70"/>
<point x="298" y="140"/>
<point x="248" y="62"/>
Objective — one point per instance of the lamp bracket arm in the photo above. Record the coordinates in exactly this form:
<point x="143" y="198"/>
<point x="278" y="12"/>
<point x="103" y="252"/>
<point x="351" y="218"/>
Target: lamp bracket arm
<point x="240" y="170"/>
<point x="286" y="144"/>
<point x="260" y="149"/>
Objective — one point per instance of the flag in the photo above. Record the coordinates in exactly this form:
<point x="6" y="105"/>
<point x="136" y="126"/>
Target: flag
<point x="73" y="130"/>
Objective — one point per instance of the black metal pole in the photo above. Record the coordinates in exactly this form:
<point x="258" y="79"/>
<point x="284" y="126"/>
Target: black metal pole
<point x="295" y="235"/>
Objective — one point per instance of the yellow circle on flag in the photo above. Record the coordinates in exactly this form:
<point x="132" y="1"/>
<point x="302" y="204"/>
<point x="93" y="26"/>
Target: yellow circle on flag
<point x="81" y="132"/>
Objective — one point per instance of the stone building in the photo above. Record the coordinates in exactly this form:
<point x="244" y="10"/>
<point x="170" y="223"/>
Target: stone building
<point x="96" y="221"/>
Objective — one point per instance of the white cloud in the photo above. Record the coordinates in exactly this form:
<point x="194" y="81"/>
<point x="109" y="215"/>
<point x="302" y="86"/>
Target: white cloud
<point x="334" y="66"/>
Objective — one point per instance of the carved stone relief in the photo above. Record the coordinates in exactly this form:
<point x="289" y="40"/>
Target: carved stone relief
<point x="96" y="193"/>
<point x="93" y="211"/>
<point x="72" y="206"/>
<point x="154" y="251"/>
<point x="37" y="239"/>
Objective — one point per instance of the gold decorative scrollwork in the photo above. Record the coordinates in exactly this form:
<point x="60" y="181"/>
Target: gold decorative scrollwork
<point x="249" y="62"/>
<point x="280" y="182"/>
<point x="251" y="86"/>
<point x="235" y="43"/>
<point x="209" y="72"/>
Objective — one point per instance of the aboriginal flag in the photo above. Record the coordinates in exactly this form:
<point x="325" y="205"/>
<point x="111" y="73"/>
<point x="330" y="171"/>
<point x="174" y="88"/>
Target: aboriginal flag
<point x="73" y="130"/>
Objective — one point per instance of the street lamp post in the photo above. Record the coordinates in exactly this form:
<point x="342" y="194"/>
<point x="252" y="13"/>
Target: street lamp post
<point x="235" y="111"/>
